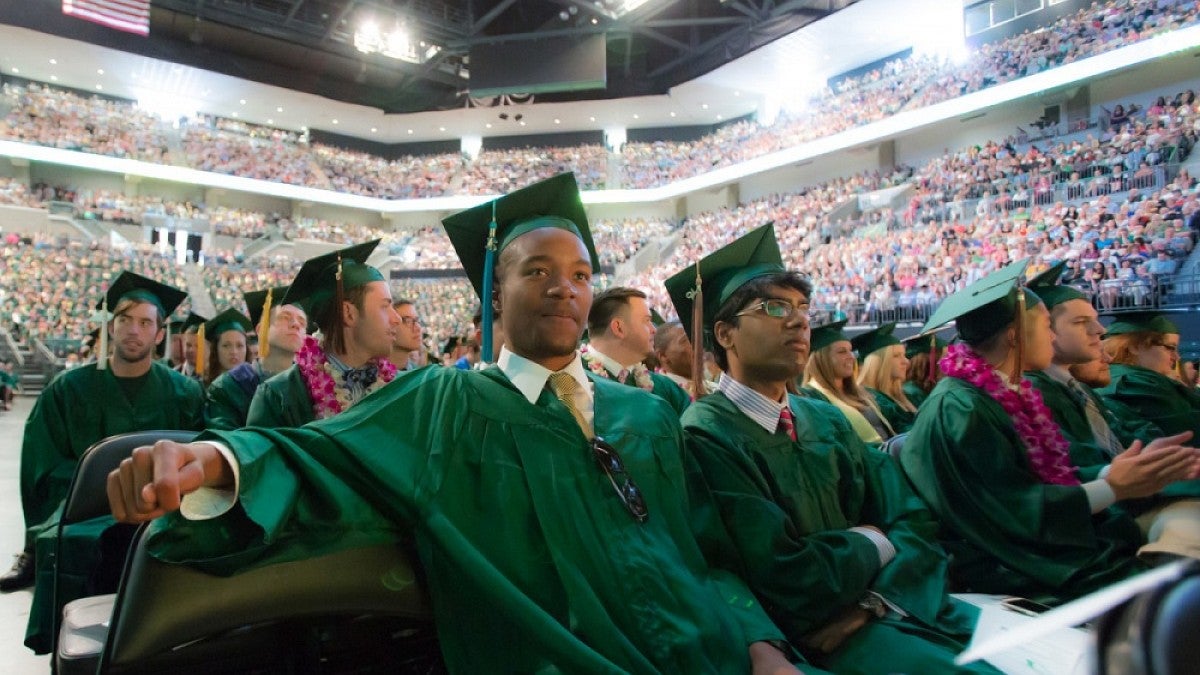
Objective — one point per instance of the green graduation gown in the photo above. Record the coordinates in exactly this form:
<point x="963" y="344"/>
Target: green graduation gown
<point x="815" y="395"/>
<point x="1008" y="532"/>
<point x="281" y="401"/>
<point x="532" y="561"/>
<point x="915" y="394"/>
<point x="1086" y="454"/>
<point x="787" y="505"/>
<point x="664" y="388"/>
<point x="1139" y="394"/>
<point x="900" y="419"/>
<point x="227" y="399"/>
<point x="79" y="407"/>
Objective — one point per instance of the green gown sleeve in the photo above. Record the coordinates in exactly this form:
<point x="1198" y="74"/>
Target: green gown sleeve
<point x="1137" y="393"/>
<point x="226" y="404"/>
<point x="281" y="401"/>
<point x="915" y="394"/>
<point x="670" y="392"/>
<point x="897" y="417"/>
<point x="48" y="453"/>
<point x="1010" y="532"/>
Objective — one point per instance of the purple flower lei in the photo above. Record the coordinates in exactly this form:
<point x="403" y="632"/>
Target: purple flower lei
<point x="1032" y="419"/>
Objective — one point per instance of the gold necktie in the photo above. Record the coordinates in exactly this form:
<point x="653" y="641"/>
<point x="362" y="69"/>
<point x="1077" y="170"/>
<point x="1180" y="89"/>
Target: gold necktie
<point x="564" y="387"/>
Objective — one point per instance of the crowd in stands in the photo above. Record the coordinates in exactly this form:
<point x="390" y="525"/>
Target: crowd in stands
<point x="14" y="193"/>
<point x="65" y="119"/>
<point x="229" y="277"/>
<point x="49" y="287"/>
<point x="70" y="121"/>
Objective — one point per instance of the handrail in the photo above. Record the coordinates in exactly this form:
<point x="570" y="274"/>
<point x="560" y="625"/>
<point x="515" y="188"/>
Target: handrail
<point x="12" y="347"/>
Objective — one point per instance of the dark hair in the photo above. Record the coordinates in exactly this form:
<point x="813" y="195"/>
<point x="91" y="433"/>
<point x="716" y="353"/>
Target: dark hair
<point x="400" y="302"/>
<point x="605" y="306"/>
<point x="665" y="334"/>
<point x="127" y="304"/>
<point x="329" y="320"/>
<point x="755" y="288"/>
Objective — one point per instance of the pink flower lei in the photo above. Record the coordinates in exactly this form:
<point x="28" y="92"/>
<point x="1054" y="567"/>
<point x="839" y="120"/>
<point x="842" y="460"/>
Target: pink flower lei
<point x="1031" y="418"/>
<point x="326" y="385"/>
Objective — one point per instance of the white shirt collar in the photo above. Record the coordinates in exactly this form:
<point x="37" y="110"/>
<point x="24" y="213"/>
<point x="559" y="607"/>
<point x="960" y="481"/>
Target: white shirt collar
<point x="530" y="378"/>
<point x="610" y="364"/>
<point x="753" y="404"/>
<point x="1059" y="374"/>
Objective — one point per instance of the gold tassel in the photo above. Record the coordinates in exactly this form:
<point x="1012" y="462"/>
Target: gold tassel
<point x="102" y="354"/>
<point x="264" y="328"/>
<point x="201" y="348"/>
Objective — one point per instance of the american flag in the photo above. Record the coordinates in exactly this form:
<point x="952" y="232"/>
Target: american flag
<point x="131" y="16"/>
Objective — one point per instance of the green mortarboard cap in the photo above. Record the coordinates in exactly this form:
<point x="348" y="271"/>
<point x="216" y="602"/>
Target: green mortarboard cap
<point x="920" y="345"/>
<point x="722" y="272"/>
<point x="193" y="320"/>
<point x="1047" y="287"/>
<point x="256" y="299"/>
<point x="138" y="287"/>
<point x="826" y="335"/>
<point x="874" y="340"/>
<point x="554" y="202"/>
<point x="230" y="319"/>
<point x="315" y="285"/>
<point x="1141" y="322"/>
<point x="985" y="307"/>
<point x="656" y="318"/>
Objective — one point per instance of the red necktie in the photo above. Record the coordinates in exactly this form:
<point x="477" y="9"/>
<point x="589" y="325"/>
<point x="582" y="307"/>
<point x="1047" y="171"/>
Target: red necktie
<point x="787" y="423"/>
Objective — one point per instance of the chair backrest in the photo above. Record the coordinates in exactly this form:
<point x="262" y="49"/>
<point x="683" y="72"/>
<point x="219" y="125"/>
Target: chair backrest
<point x="895" y="445"/>
<point x="162" y="606"/>
<point x="1154" y="633"/>
<point x="87" y="497"/>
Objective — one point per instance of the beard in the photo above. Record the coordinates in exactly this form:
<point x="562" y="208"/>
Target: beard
<point x="131" y="355"/>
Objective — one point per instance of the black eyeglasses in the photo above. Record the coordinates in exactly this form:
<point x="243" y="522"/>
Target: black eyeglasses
<point x="610" y="462"/>
<point x="410" y="321"/>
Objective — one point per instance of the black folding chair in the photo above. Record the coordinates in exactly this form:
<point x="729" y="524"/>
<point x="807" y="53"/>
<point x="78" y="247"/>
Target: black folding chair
<point x="87" y="497"/>
<point x="361" y="610"/>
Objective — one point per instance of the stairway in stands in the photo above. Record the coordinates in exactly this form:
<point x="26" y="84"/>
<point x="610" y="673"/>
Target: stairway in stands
<point x="202" y="302"/>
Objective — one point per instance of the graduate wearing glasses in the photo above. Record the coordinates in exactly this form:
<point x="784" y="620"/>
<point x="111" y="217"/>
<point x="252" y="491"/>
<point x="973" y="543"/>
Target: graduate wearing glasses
<point x="550" y="508"/>
<point x="825" y="530"/>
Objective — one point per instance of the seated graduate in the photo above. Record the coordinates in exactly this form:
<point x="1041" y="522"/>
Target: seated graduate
<point x="188" y="331"/>
<point x="351" y="304"/>
<point x="1144" y="348"/>
<point x="549" y="507"/>
<point x="825" y="530"/>
<point x="923" y="373"/>
<point x="125" y="391"/>
<point x="223" y="338"/>
<point x="986" y="455"/>
<point x="621" y="334"/>
<point x="407" y="346"/>
<point x="676" y="359"/>
<point x="882" y="372"/>
<point x="1085" y="419"/>
<point x="282" y="327"/>
<point x="830" y="376"/>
